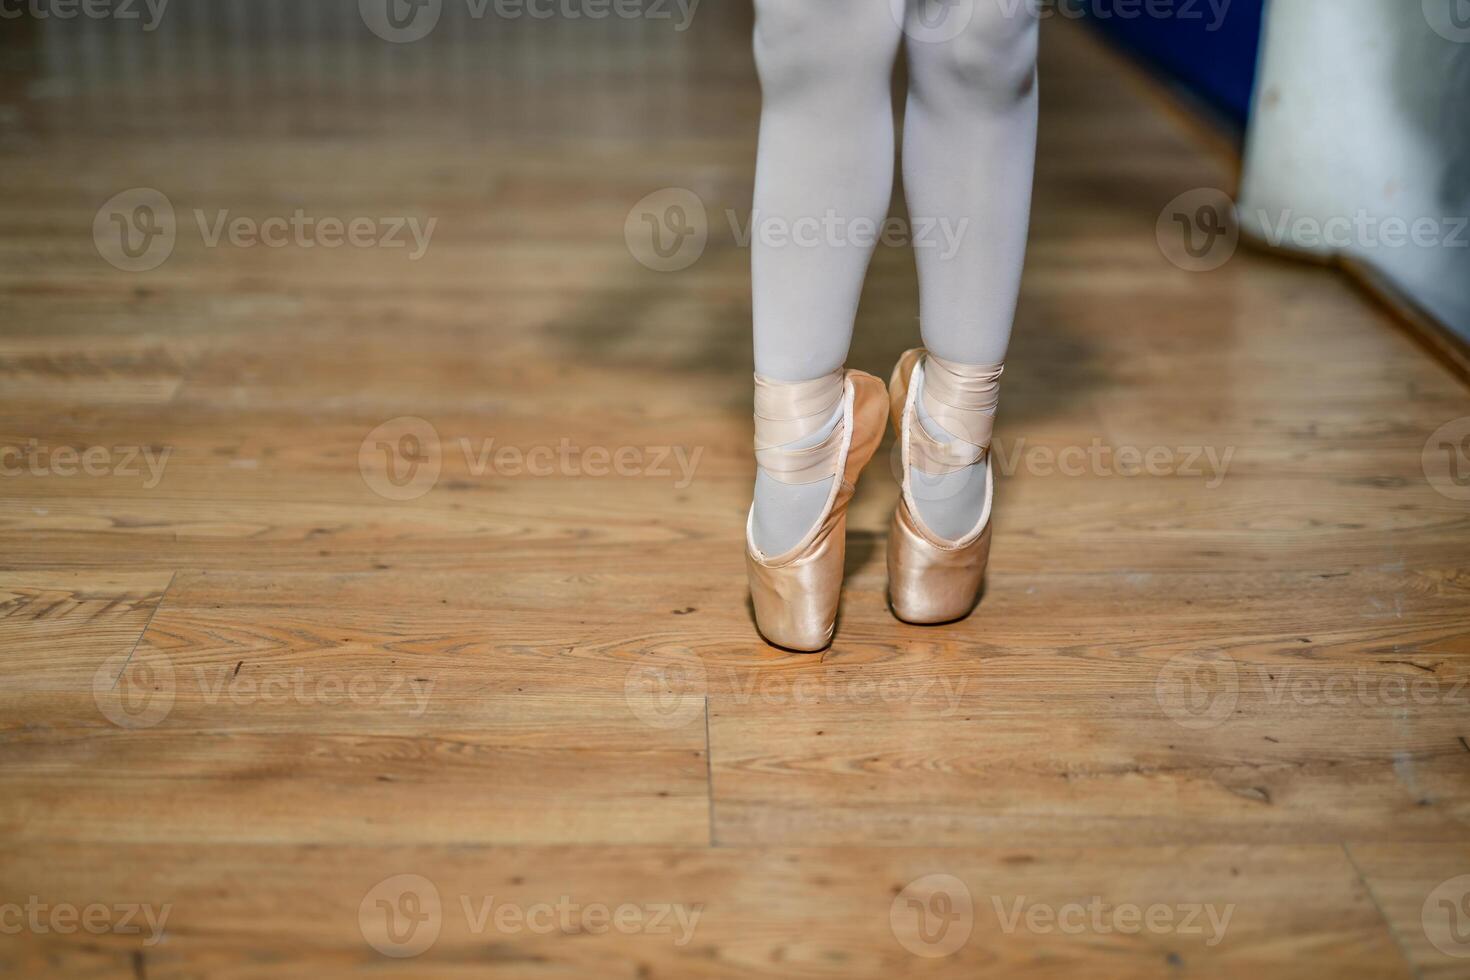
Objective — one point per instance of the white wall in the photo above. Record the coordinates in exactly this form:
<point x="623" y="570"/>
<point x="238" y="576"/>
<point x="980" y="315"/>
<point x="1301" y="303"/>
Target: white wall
<point x="1362" y="116"/>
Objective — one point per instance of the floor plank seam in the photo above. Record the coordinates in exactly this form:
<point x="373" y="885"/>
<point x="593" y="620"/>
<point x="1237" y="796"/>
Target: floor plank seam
<point x="144" y="631"/>
<point x="1398" y="940"/>
<point x="709" y="772"/>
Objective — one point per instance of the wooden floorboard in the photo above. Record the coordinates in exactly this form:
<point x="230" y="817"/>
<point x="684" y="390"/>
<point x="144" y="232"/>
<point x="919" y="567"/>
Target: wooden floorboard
<point x="1305" y="762"/>
<point x="1421" y="891"/>
<point x="257" y="911"/>
<point x="356" y="757"/>
<point x="66" y="629"/>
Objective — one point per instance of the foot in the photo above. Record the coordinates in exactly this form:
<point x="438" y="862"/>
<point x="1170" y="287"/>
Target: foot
<point x="783" y="513"/>
<point x="949" y="504"/>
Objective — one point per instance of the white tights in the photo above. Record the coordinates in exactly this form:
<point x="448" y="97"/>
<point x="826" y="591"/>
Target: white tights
<point x="824" y="178"/>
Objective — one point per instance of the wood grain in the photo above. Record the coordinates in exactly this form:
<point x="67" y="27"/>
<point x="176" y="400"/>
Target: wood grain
<point x="1421" y="890"/>
<point x="1303" y="763"/>
<point x="350" y="756"/>
<point x="67" y="630"/>
<point x="234" y="910"/>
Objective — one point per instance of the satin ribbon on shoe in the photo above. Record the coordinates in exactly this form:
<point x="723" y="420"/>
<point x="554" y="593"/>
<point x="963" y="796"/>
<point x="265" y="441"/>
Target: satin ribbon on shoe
<point x="962" y="399"/>
<point x="790" y="412"/>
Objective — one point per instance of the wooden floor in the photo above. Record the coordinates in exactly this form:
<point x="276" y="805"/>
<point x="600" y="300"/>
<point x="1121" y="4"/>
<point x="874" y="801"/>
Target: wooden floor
<point x="1210" y="721"/>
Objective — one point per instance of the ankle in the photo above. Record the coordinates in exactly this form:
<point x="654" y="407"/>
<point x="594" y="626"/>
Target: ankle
<point x="797" y="438"/>
<point x="960" y="400"/>
<point x="954" y="408"/>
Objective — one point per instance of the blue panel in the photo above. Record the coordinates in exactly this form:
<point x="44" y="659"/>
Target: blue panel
<point x="1207" y="45"/>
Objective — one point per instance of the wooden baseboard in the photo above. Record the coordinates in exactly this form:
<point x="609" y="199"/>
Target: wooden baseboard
<point x="1431" y="332"/>
<point x="1428" y="330"/>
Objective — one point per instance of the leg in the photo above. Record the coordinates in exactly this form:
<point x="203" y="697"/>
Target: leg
<point x="826" y="156"/>
<point x="969" y="153"/>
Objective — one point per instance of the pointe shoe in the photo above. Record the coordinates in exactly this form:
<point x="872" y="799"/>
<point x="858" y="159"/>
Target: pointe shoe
<point x="795" y="594"/>
<point x="930" y="580"/>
